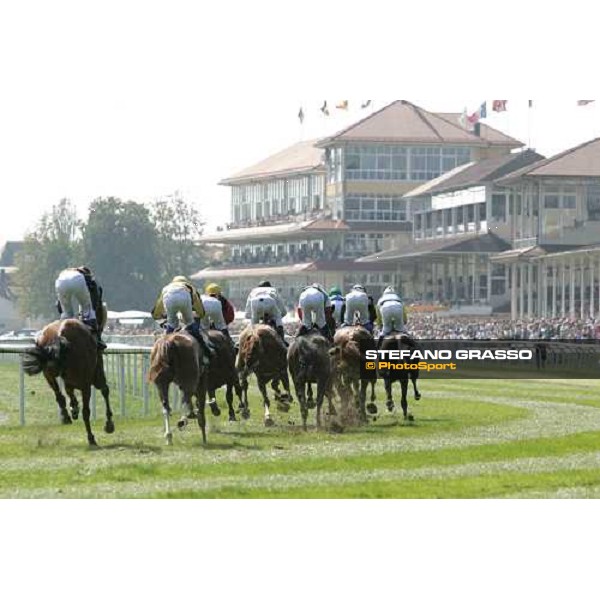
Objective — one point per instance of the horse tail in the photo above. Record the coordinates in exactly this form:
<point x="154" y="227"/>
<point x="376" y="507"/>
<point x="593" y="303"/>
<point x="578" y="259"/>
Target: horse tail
<point x="35" y="360"/>
<point x="160" y="359"/>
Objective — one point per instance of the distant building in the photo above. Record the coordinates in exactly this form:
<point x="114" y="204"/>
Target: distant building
<point x="310" y="212"/>
<point x="9" y="316"/>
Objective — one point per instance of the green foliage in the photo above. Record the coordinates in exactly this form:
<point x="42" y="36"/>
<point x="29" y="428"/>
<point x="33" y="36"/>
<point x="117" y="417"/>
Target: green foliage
<point x="53" y="245"/>
<point x="121" y="247"/>
<point x="178" y="227"/>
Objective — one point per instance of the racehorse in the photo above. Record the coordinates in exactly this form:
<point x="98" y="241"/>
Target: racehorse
<point x="68" y="349"/>
<point x="309" y="362"/>
<point x="400" y="341"/>
<point x="177" y="358"/>
<point x="222" y="372"/>
<point x="262" y="352"/>
<point x="347" y="360"/>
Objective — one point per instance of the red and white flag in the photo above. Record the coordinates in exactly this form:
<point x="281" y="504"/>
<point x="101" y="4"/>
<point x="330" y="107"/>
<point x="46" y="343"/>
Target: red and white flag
<point x="499" y="105"/>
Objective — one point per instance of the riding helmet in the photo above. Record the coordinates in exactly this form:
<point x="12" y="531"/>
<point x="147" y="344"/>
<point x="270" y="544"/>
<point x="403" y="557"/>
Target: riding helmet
<point x="265" y="284"/>
<point x="335" y="291"/>
<point x="213" y="289"/>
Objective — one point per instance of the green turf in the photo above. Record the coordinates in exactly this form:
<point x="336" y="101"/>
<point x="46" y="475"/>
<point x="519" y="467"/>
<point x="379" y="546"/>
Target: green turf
<point x="470" y="439"/>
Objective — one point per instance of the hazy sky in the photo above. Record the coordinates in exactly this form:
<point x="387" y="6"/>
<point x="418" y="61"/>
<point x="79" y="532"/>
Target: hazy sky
<point x="139" y="99"/>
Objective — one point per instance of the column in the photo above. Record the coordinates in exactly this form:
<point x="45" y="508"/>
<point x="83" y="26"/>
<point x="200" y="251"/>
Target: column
<point x="572" y="289"/>
<point x="521" y="291"/>
<point x="582" y="290"/>
<point x="530" y="290"/>
<point x="554" y="288"/>
<point x="592" y="286"/>
<point x="563" y="297"/>
<point x="489" y="281"/>
<point x="513" y="292"/>
<point x="475" y="282"/>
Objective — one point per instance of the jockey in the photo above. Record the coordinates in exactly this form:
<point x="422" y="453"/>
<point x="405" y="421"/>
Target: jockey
<point x="391" y="314"/>
<point x="264" y="302"/>
<point x="314" y="300"/>
<point x="219" y="312"/>
<point x="337" y="304"/>
<point x="359" y="302"/>
<point x="181" y="297"/>
<point x="78" y="283"/>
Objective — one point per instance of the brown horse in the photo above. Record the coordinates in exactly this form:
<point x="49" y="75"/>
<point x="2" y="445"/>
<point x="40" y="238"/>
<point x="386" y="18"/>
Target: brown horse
<point x="309" y="362"/>
<point x="347" y="359"/>
<point x="263" y="353"/>
<point x="177" y="358"/>
<point x="400" y="341"/>
<point x="222" y="372"/>
<point x="68" y="349"/>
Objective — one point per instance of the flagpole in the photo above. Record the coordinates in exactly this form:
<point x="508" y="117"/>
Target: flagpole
<point x="529" y="124"/>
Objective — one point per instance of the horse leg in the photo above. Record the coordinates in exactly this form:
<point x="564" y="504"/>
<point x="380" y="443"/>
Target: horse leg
<point x="73" y="404"/>
<point x="109" y="426"/>
<point x="388" y="392"/>
<point x="362" y="401"/>
<point x="373" y="396"/>
<point x="201" y="405"/>
<point x="285" y="401"/>
<point x="229" y="399"/>
<point x="404" y="401"/>
<point x="268" y="420"/>
<point x="187" y="409"/>
<point x="300" y="387"/>
<point x="212" y="402"/>
<point x="60" y="399"/>
<point x="163" y="391"/>
<point x="414" y="377"/>
<point x="85" y="413"/>
<point x="321" y="389"/>
<point x="243" y="396"/>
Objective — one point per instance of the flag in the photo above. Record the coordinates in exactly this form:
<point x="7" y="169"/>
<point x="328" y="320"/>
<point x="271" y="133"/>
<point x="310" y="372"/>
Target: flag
<point x="531" y="104"/>
<point x="483" y="111"/>
<point x="343" y="105"/>
<point x="499" y="105"/>
<point x="324" y="109"/>
<point x="463" y="119"/>
<point x="474" y="118"/>
<point x="301" y="115"/>
<point x="366" y="104"/>
<point x="584" y="102"/>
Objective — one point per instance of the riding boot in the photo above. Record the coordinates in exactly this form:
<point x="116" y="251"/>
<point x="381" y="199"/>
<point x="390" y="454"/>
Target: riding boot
<point x="281" y="333"/>
<point x="93" y="325"/>
<point x="303" y="331"/>
<point x="208" y="350"/>
<point x="326" y="332"/>
<point x="226" y="333"/>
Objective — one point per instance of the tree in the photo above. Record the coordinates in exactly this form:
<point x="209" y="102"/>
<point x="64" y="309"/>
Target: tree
<point x="120" y="244"/>
<point x="53" y="245"/>
<point x="179" y="228"/>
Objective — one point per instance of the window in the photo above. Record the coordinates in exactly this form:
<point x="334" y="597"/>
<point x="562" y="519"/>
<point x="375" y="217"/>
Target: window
<point x="373" y="207"/>
<point x="551" y="201"/>
<point x="570" y="202"/>
<point x="593" y="202"/>
<point x="499" y="207"/>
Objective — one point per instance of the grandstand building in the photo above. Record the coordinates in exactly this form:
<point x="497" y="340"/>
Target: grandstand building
<point x="313" y="211"/>
<point x="9" y="315"/>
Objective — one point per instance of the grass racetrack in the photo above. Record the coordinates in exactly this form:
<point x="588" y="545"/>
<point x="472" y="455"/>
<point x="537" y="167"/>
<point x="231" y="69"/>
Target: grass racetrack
<point x="470" y="439"/>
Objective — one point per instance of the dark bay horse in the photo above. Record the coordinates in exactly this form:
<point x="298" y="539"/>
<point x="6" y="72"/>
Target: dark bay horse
<point x="309" y="362"/>
<point x="400" y="341"/>
<point x="222" y="372"/>
<point x="68" y="349"/>
<point x="177" y="358"/>
<point x="347" y="359"/>
<point x="262" y="352"/>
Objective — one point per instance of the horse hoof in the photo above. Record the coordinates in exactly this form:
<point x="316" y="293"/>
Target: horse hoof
<point x="372" y="408"/>
<point x="409" y="418"/>
<point x="245" y="414"/>
<point x="283" y="407"/>
<point x="269" y="422"/>
<point x="181" y="424"/>
<point x="109" y="427"/>
<point x="417" y="396"/>
<point x="92" y="443"/>
<point x="66" y="420"/>
<point x="169" y="439"/>
<point x="311" y="404"/>
<point x="232" y="419"/>
<point x="390" y="406"/>
<point x="74" y="415"/>
<point x="214" y="409"/>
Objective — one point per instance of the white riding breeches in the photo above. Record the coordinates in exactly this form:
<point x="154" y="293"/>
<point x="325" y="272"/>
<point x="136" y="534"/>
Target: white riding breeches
<point x="357" y="303"/>
<point x="70" y="286"/>
<point x="312" y="302"/>
<point x="265" y="307"/>
<point x="392" y="317"/>
<point x="177" y="300"/>
<point x="337" y="310"/>
<point x="213" y="313"/>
